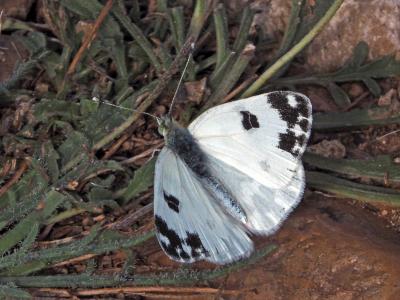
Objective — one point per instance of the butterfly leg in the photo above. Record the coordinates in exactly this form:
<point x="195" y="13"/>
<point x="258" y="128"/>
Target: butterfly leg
<point x="153" y="154"/>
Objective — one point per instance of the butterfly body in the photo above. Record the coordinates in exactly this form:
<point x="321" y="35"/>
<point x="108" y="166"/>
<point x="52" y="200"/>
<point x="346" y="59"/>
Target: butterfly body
<point x="180" y="141"/>
<point x="235" y="170"/>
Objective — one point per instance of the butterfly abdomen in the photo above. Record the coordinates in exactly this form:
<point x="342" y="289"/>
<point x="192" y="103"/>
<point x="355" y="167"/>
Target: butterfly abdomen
<point x="182" y="142"/>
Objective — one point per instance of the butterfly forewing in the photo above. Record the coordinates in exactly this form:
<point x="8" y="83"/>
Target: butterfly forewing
<point x="190" y="225"/>
<point x="262" y="136"/>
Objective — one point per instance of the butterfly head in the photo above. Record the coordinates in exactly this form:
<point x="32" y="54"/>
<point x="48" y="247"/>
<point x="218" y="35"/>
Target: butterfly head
<point x="165" y="124"/>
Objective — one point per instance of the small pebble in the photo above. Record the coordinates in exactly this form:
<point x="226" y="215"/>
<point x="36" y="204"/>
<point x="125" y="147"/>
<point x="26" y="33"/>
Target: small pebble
<point x="355" y="90"/>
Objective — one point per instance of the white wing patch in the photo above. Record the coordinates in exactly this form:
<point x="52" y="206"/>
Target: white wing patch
<point x="265" y="208"/>
<point x="262" y="136"/>
<point x="190" y="224"/>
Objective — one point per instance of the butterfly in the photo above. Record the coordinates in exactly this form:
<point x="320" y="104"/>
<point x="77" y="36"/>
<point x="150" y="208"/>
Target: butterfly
<point x="236" y="171"/>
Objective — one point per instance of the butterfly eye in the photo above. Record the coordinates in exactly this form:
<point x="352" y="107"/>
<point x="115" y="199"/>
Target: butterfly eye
<point x="162" y="130"/>
<point x="164" y="125"/>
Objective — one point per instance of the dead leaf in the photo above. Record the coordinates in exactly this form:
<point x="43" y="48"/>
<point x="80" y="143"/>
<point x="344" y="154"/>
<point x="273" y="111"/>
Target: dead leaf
<point x="331" y="149"/>
<point x="195" y="90"/>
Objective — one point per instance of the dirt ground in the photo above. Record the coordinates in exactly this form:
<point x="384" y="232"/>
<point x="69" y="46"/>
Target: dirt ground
<point x="328" y="249"/>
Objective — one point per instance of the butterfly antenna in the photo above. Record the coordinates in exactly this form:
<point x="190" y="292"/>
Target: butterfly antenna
<point x="94" y="99"/>
<point x="181" y="79"/>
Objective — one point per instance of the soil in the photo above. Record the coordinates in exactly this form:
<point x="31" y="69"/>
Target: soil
<point x="328" y="249"/>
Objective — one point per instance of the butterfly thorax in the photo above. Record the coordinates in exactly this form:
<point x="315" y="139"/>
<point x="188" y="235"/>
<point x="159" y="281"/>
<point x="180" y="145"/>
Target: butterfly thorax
<point x="183" y="143"/>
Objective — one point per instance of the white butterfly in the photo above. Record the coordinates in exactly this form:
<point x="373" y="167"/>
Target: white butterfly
<point x="235" y="171"/>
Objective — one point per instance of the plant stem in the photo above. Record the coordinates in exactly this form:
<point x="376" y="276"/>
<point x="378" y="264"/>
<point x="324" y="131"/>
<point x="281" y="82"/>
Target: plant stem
<point x="349" y="189"/>
<point x="231" y="77"/>
<point x="65" y="215"/>
<point x="355" y="118"/>
<point x="245" y="25"/>
<point x="198" y="19"/>
<point x="381" y="168"/>
<point x="96" y="281"/>
<point x="221" y="32"/>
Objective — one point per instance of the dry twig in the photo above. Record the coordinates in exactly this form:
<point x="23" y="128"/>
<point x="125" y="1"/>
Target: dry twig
<point x="90" y="37"/>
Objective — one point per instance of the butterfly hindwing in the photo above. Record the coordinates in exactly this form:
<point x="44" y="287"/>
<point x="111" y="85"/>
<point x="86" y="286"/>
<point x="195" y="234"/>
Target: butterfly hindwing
<point x="265" y="208"/>
<point x="190" y="225"/>
<point x="263" y="136"/>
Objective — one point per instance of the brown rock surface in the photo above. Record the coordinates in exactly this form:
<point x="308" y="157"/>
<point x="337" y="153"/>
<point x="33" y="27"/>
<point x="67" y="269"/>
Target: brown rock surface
<point x="16" y="8"/>
<point x="376" y="22"/>
<point x="327" y="250"/>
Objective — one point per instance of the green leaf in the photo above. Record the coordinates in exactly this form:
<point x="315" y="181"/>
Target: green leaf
<point x="20" y="231"/>
<point x="221" y="31"/>
<point x="88" y="9"/>
<point x="94" y="243"/>
<point x="383" y="67"/>
<point x="176" y="24"/>
<point x="49" y="108"/>
<point x="11" y="292"/>
<point x="34" y="41"/>
<point x="98" y="194"/>
<point x="380" y="168"/>
<point x="373" y="86"/>
<point x="88" y="107"/>
<point x="30" y="189"/>
<point x="309" y="16"/>
<point x="52" y="201"/>
<point x="355" y="118"/>
<point x="137" y="34"/>
<point x="23" y="229"/>
<point x="339" y="95"/>
<point x="76" y="145"/>
<point x="292" y="28"/>
<point x="103" y="121"/>
<point x="360" y="54"/>
<point x="349" y="189"/>
<point x="141" y="181"/>
<point x="86" y="168"/>
<point x="50" y="157"/>
<point x="183" y="277"/>
<point x="30" y="239"/>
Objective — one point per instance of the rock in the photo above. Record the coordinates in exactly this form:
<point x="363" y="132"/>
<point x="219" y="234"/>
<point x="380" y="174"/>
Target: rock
<point x="356" y="90"/>
<point x="16" y="8"/>
<point x="329" y="148"/>
<point x="327" y="249"/>
<point x="377" y="23"/>
<point x="386" y="99"/>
